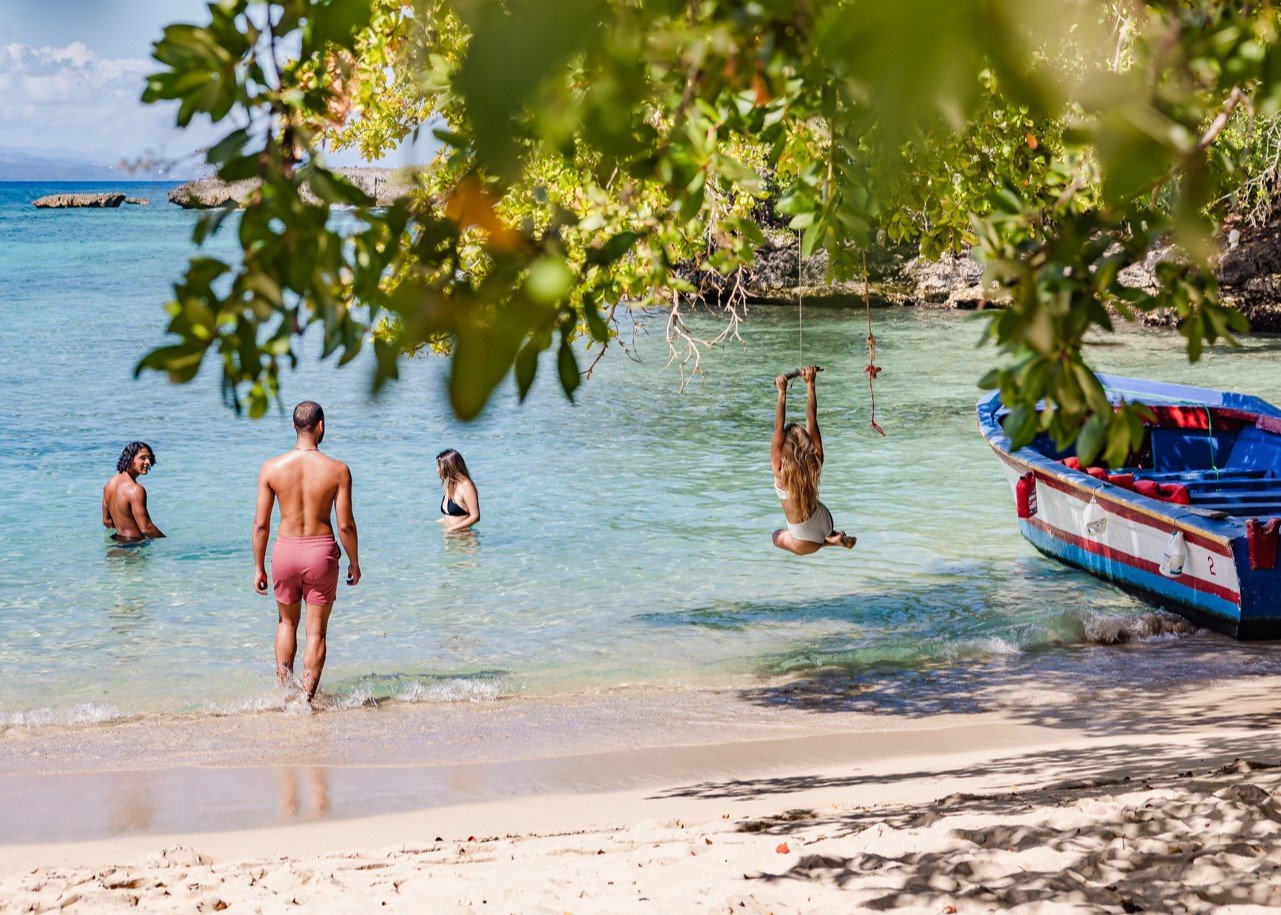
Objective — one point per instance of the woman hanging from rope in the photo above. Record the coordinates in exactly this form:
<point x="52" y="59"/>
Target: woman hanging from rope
<point x="796" y="456"/>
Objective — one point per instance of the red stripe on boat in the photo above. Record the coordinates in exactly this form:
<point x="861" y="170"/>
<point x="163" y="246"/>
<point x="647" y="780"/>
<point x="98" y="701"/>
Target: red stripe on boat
<point x="1137" y="562"/>
<point x="1119" y="508"/>
<point x="1122" y="510"/>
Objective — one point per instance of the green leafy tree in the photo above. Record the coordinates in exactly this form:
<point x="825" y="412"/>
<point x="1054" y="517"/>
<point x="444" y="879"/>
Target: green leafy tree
<point x="590" y="147"/>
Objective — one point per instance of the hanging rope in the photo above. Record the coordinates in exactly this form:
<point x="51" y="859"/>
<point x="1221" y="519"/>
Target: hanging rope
<point x="872" y="369"/>
<point x="800" y="306"/>
<point x="800" y="319"/>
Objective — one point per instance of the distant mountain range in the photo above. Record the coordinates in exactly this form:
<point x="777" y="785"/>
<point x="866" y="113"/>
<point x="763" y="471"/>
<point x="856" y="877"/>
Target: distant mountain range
<point x="59" y="165"/>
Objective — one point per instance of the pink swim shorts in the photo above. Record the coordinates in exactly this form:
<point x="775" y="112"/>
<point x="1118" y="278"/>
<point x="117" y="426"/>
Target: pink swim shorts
<point x="305" y="568"/>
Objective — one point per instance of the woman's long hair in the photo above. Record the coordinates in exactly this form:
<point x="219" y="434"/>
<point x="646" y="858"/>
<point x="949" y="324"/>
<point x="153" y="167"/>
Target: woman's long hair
<point x="800" y="469"/>
<point x="453" y="470"/>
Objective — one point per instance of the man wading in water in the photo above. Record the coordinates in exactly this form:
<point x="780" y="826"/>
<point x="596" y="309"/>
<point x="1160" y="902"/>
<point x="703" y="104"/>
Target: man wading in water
<point x="304" y="562"/>
<point x="124" y="501"/>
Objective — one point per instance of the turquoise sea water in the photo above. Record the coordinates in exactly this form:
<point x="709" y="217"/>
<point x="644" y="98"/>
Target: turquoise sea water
<point x="625" y="538"/>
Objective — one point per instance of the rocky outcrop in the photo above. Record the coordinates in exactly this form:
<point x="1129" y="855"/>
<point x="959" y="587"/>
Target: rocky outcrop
<point x="208" y="193"/>
<point x="1249" y="272"/>
<point x="66" y="201"/>
<point x="384" y="185"/>
<point x="954" y="282"/>
<point x="137" y="201"/>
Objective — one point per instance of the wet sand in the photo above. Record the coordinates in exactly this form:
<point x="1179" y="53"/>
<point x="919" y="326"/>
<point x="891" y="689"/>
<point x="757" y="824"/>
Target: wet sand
<point x="1086" y="803"/>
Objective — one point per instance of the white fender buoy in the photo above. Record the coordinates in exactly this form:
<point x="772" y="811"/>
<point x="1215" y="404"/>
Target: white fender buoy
<point x="1175" y="556"/>
<point x="1095" y="518"/>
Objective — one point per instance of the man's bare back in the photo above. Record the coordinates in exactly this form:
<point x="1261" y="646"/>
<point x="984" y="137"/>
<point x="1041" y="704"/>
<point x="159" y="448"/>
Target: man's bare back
<point x="310" y="487"/>
<point x="124" y="500"/>
<point x="305" y="483"/>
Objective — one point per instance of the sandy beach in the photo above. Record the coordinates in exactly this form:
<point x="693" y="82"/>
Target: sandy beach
<point x="1167" y="805"/>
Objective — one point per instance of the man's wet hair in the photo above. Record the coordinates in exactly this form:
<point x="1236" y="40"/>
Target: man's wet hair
<point x="307" y="416"/>
<point x="131" y="452"/>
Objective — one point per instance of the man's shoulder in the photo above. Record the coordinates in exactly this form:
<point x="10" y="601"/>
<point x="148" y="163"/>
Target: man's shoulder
<point x="335" y="464"/>
<point x="275" y="460"/>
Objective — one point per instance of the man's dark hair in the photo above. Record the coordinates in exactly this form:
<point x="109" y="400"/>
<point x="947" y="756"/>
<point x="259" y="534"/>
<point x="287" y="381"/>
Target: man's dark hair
<point x="131" y="452"/>
<point x="307" y="416"/>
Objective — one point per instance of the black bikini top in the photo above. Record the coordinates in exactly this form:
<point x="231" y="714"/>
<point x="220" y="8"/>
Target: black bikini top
<point x="449" y="507"/>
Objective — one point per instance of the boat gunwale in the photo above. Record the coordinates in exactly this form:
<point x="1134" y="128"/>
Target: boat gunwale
<point x="1221" y="531"/>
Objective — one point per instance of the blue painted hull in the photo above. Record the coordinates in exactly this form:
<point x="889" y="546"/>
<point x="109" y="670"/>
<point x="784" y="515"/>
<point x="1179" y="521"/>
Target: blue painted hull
<point x="1205" y="609"/>
<point x="1219" y="584"/>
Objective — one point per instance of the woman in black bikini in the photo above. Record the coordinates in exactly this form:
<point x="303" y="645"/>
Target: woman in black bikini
<point x="459" y="505"/>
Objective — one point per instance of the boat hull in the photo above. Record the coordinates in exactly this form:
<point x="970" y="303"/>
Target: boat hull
<point x="1125" y="536"/>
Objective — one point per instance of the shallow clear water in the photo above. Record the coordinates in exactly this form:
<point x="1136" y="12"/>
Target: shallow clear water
<point x="625" y="538"/>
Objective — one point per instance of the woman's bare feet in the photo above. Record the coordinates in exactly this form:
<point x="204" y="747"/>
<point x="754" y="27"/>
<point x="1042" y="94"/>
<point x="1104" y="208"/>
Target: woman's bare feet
<point x="840" y="538"/>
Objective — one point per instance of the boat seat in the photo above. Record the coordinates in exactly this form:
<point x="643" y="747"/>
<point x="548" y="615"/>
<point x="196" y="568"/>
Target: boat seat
<point x="1266" y="510"/>
<point x="1230" y="485"/>
<point x="1183" y="476"/>
<point x="1256" y="449"/>
<point x="1246" y="498"/>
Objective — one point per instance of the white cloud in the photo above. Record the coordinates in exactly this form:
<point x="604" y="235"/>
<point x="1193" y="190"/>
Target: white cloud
<point x="71" y="98"/>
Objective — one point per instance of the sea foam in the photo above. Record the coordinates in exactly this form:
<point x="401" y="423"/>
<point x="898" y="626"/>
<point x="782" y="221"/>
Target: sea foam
<point x="1106" y="629"/>
<point x="83" y="714"/>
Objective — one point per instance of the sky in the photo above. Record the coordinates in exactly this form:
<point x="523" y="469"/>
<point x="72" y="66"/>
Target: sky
<point x="72" y="71"/>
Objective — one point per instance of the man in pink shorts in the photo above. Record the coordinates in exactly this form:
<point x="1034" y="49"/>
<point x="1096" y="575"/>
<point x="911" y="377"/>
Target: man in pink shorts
<point x="310" y="487"/>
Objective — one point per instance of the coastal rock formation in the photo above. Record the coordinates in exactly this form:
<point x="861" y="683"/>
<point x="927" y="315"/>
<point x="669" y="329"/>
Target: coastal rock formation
<point x="65" y="201"/>
<point x="385" y="185"/>
<point x="138" y="201"/>
<point x="208" y="193"/>
<point x="953" y="282"/>
<point x="1249" y="272"/>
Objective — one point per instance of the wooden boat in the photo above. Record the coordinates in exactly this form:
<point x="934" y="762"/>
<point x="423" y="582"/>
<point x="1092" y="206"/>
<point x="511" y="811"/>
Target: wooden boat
<point x="1192" y="526"/>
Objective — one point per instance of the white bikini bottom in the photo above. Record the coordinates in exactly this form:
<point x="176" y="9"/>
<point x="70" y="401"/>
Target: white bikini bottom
<point x="816" y="529"/>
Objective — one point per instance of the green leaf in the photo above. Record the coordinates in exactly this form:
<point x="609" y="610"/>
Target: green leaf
<point x="548" y="280"/>
<point x="613" y="249"/>
<point x="567" y="367"/>
<point x="596" y="325"/>
<point x="526" y="367"/>
<point x="229" y="147"/>
<point x="1090" y="441"/>
<point x="514" y="48"/>
<point x="335" y="22"/>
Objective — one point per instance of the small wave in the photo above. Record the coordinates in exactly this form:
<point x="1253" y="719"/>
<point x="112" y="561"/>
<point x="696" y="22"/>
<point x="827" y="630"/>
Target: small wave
<point x="269" y="700"/>
<point x="992" y="645"/>
<point x="84" y="714"/>
<point x="454" y="690"/>
<point x="1146" y="627"/>
<point x="375" y="691"/>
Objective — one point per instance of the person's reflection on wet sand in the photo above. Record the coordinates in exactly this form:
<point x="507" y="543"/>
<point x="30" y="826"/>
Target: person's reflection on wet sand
<point x="291" y="787"/>
<point x="133" y="809"/>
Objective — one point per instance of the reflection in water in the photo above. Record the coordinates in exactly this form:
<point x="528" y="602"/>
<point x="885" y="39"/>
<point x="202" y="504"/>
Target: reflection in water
<point x="132" y="809"/>
<point x="126" y="555"/>
<point x="296" y="780"/>
<point x="460" y="544"/>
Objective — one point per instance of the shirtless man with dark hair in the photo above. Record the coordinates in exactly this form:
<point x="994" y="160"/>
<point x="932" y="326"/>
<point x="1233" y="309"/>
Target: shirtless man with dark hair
<point x="124" y="501"/>
<point x="310" y="487"/>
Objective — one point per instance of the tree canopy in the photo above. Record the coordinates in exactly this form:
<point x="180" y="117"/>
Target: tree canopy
<point x="589" y="147"/>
